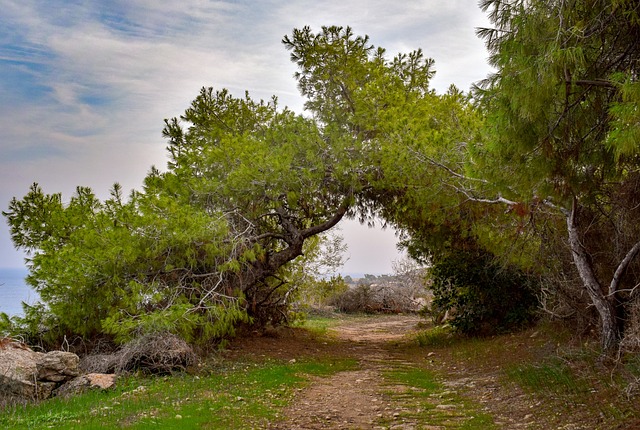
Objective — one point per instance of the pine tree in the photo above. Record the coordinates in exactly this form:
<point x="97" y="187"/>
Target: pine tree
<point x="562" y="111"/>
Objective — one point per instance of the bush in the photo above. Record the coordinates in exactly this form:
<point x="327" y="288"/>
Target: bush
<point x="482" y="296"/>
<point x="376" y="298"/>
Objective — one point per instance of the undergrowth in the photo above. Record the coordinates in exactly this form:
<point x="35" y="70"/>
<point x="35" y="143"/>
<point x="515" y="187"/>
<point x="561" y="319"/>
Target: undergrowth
<point x="240" y="396"/>
<point x="565" y="378"/>
<point x="565" y="383"/>
<point x="579" y="384"/>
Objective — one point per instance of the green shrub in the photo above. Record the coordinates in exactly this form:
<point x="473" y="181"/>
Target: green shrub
<point x="482" y="296"/>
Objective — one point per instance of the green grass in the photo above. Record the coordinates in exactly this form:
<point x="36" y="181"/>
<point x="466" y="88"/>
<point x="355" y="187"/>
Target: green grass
<point x="578" y="385"/>
<point x="317" y="324"/>
<point x="426" y="400"/>
<point x="551" y="376"/>
<point x="435" y="337"/>
<point x="242" y="396"/>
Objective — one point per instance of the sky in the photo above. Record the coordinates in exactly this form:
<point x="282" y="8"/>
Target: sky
<point x="85" y="85"/>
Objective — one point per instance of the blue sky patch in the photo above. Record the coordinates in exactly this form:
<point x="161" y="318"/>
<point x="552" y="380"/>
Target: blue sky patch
<point x="30" y="153"/>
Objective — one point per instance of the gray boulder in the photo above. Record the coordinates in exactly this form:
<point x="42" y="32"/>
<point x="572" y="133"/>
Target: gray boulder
<point x="29" y="375"/>
<point x="58" y="366"/>
<point x="18" y="371"/>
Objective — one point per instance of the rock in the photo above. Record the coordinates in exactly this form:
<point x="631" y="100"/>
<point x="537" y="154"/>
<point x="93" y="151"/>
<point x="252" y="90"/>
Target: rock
<point x="18" y="371"/>
<point x="29" y="375"/>
<point x="83" y="383"/>
<point x="44" y="390"/>
<point x="58" y="366"/>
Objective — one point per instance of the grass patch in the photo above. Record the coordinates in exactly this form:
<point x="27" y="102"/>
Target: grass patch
<point x="578" y="384"/>
<point x="318" y="324"/>
<point x="435" y="337"/>
<point x="553" y="376"/>
<point x="240" y="396"/>
<point x="563" y="377"/>
<point x="426" y="400"/>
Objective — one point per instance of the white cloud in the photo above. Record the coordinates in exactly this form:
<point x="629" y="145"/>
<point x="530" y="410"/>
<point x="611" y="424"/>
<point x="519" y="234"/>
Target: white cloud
<point x="108" y="73"/>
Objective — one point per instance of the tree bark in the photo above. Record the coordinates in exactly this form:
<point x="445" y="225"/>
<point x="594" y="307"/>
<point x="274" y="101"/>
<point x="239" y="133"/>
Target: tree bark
<point x="610" y="333"/>
<point x="295" y="238"/>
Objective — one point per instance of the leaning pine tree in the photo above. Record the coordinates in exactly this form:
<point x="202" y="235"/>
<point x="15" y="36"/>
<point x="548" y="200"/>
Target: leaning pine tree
<point x="206" y="244"/>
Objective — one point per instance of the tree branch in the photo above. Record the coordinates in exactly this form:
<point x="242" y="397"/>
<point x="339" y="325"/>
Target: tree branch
<point x="331" y="222"/>
<point x="497" y="200"/>
<point x="617" y="276"/>
<point x="423" y="158"/>
<point x="594" y="83"/>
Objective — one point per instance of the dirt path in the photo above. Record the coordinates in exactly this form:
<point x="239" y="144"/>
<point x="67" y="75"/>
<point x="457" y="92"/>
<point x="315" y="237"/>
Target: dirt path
<point x="357" y="399"/>
<point x="467" y="387"/>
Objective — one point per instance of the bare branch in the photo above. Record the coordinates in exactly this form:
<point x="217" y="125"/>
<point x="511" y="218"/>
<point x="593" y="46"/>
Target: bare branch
<point x="497" y="200"/>
<point x="615" y="281"/>
<point x="425" y="159"/>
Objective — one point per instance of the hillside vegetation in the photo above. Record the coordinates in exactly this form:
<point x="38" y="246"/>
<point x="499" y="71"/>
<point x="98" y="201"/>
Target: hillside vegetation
<point x="366" y="372"/>
<point x="518" y="201"/>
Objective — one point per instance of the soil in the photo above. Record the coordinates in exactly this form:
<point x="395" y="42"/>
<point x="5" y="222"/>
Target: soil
<point x="363" y="398"/>
<point x="353" y="399"/>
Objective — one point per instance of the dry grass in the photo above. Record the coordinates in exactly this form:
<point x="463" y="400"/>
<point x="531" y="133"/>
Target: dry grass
<point x="160" y="353"/>
<point x="538" y="379"/>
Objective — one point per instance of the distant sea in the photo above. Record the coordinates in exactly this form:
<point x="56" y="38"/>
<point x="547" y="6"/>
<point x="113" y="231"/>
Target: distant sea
<point x="14" y="291"/>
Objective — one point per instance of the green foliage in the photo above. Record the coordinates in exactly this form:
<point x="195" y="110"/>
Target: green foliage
<point x="217" y="321"/>
<point x="312" y="275"/>
<point x="561" y="107"/>
<point x="552" y="96"/>
<point x="203" y="246"/>
<point x="122" y="268"/>
<point x="481" y="295"/>
<point x="624" y="136"/>
<point x="227" y="234"/>
<point x="323" y="291"/>
<point x="561" y="135"/>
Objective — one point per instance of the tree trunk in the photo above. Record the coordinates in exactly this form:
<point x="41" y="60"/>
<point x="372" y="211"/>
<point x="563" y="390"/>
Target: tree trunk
<point x="256" y="273"/>
<point x="610" y="333"/>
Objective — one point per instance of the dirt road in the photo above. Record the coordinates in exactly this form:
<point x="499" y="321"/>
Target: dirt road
<point x="364" y="398"/>
<point x="398" y="385"/>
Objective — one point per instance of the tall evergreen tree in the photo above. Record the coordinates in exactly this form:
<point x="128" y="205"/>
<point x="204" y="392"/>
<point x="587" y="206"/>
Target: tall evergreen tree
<point x="562" y="109"/>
